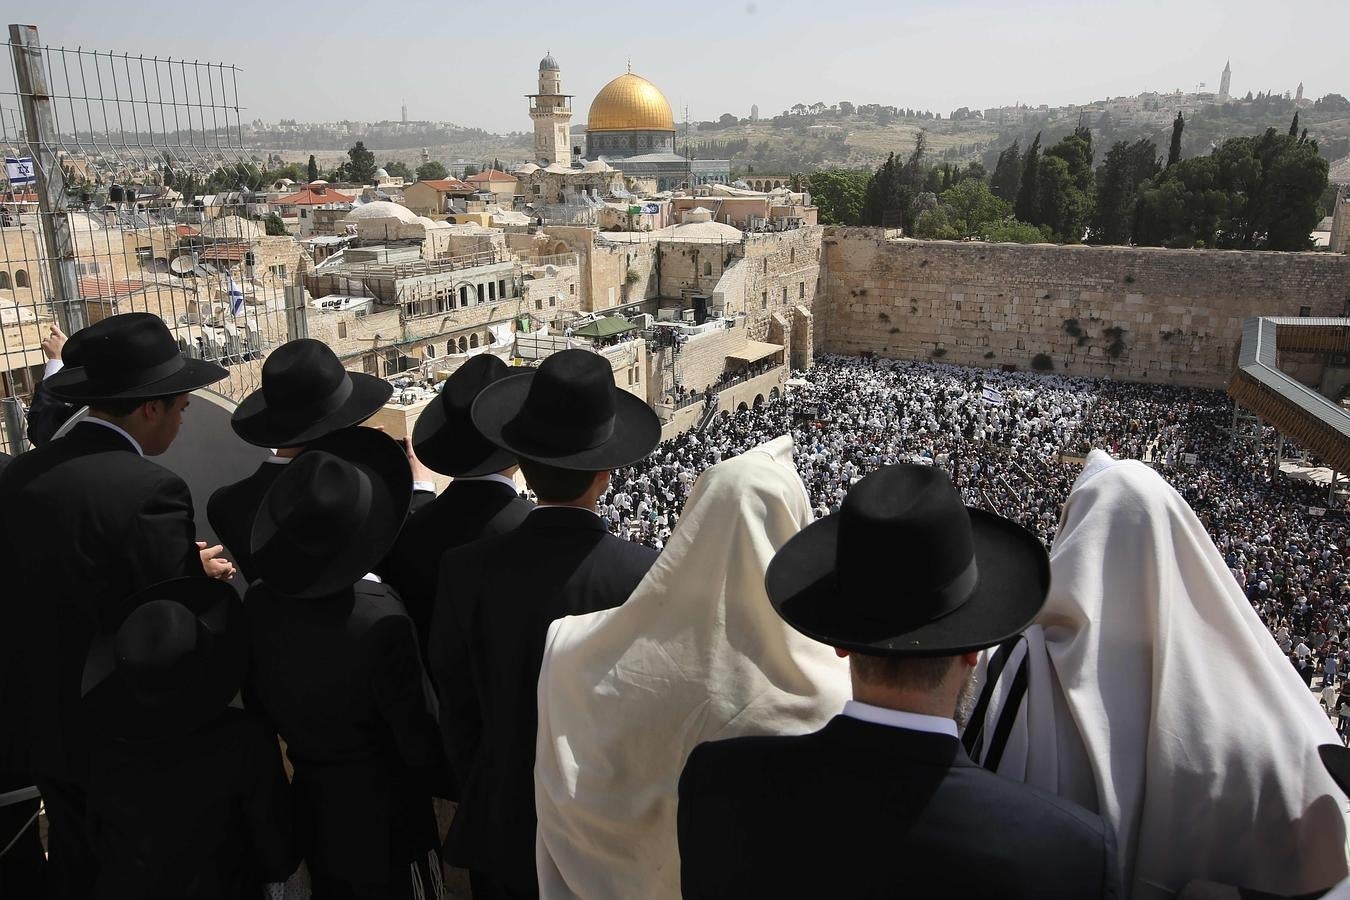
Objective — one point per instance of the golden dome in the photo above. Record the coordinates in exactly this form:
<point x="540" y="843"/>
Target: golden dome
<point x="630" y="103"/>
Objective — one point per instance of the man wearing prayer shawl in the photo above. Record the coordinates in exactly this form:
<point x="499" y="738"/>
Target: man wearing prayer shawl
<point x="696" y="654"/>
<point x="1149" y="690"/>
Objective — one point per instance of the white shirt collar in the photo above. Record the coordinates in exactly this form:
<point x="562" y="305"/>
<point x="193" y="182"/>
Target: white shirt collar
<point x="117" y="428"/>
<point x="589" y="509"/>
<point x="371" y="576"/>
<point x="52" y="367"/>
<point x="277" y="460"/>
<point x="493" y="476"/>
<point x="896" y="718"/>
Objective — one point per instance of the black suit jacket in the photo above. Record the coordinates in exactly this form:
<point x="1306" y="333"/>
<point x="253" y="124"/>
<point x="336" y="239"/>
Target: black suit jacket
<point x="85" y="522"/>
<point x="465" y="511"/>
<point x="864" y="810"/>
<point x="232" y="509"/>
<point x="342" y="681"/>
<point x="494" y="603"/>
<point x="46" y="415"/>
<point x="206" y="814"/>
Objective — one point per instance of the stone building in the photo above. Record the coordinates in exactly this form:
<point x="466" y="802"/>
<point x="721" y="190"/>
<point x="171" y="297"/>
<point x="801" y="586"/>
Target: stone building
<point x="434" y="198"/>
<point x="1340" y="222"/>
<point x="551" y="111"/>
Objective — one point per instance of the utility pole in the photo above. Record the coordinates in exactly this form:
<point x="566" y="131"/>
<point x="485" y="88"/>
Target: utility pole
<point x="39" y="126"/>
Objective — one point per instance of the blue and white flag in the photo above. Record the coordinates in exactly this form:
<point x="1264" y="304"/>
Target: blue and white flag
<point x="236" y="298"/>
<point x="20" y="170"/>
<point x="992" y="397"/>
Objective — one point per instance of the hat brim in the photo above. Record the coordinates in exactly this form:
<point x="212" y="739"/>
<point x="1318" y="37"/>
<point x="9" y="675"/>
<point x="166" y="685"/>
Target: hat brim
<point x="73" y="385"/>
<point x="1014" y="577"/>
<point x="299" y="572"/>
<point x="110" y="708"/>
<point x="1337" y="760"/>
<point x="263" y="426"/>
<point x="456" y="449"/>
<point x="637" y="430"/>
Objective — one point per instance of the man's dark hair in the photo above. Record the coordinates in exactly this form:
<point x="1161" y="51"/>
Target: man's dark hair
<point x="553" y="485"/>
<point x="919" y="672"/>
<point x="119" y="409"/>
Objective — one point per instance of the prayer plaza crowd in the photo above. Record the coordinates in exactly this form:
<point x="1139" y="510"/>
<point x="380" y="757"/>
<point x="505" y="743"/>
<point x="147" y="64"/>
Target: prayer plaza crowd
<point x="909" y="629"/>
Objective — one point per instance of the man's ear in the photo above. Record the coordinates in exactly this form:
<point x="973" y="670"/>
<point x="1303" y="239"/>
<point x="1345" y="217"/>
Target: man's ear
<point x="841" y="652"/>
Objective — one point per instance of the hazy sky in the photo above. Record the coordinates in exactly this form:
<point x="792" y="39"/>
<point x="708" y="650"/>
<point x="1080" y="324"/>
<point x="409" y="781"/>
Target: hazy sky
<point x="471" y="62"/>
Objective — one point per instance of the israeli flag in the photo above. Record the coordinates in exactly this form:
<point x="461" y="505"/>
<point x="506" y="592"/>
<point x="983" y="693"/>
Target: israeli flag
<point x="992" y="397"/>
<point x="236" y="298"/>
<point x="20" y="170"/>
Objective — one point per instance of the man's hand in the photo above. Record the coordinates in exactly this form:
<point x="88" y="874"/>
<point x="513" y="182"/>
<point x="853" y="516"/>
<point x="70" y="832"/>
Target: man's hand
<point x="216" y="566"/>
<point x="53" y="343"/>
<point x="419" y="471"/>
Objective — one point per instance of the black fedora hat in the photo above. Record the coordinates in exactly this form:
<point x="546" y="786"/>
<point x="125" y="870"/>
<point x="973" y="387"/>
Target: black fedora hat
<point x="333" y="514"/>
<point x="445" y="438"/>
<point x="130" y="357"/>
<point x="904" y="569"/>
<point x="305" y="394"/>
<point x="177" y="660"/>
<point x="568" y="413"/>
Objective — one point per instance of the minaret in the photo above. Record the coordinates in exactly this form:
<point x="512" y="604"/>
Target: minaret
<point x="551" y="111"/>
<point x="1225" y="79"/>
<point x="1298" y="98"/>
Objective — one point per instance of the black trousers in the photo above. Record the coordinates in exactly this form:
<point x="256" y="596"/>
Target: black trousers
<point x="23" y="870"/>
<point x="486" y="886"/>
<point x="70" y="859"/>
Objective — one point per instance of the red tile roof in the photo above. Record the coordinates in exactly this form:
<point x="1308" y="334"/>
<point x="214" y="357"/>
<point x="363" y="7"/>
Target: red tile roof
<point x="311" y="197"/>
<point x="489" y="175"/>
<point x="448" y="184"/>
<point x="92" y="287"/>
<point x="227" y="252"/>
<point x="188" y="231"/>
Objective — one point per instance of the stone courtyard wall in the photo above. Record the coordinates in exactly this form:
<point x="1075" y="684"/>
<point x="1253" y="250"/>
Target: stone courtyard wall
<point x="1180" y="311"/>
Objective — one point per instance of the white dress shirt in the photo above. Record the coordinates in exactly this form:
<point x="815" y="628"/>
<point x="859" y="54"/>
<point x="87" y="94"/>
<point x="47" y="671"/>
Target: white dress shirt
<point x="895" y="718"/>
<point x="428" y="486"/>
<point x="117" y="428"/>
<point x="492" y="476"/>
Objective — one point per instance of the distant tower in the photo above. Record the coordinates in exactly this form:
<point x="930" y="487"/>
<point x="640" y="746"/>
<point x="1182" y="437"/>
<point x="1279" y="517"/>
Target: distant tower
<point x="1225" y="79"/>
<point x="1298" y="98"/>
<point x="551" y="111"/>
<point x="405" y="112"/>
<point x="754" y="112"/>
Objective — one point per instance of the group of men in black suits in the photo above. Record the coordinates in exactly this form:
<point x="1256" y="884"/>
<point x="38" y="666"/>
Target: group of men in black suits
<point x="122" y="656"/>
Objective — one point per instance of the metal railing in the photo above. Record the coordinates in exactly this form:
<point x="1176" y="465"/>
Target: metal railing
<point x="112" y="147"/>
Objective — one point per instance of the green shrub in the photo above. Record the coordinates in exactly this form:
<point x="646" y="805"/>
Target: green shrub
<point x="1042" y="362"/>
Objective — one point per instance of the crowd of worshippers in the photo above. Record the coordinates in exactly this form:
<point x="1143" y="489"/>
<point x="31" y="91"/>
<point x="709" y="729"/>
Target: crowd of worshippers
<point x="846" y="672"/>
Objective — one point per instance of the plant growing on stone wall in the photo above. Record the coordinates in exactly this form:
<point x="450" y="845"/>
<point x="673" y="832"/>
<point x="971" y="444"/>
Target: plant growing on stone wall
<point x="1072" y="328"/>
<point x="989" y="354"/>
<point x="1082" y="340"/>
<point x="1129" y="279"/>
<point x="895" y="331"/>
<point x="632" y="277"/>
<point x="883" y="317"/>
<point x="939" y="352"/>
<point x="1116" y="335"/>
<point x="1042" y="362"/>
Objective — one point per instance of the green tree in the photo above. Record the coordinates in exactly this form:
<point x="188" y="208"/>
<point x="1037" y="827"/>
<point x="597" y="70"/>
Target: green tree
<point x="1174" y="151"/>
<point x="274" y="226"/>
<point x="1029" y="189"/>
<point x="838" y="195"/>
<point x="970" y="207"/>
<point x="312" y="170"/>
<point x="1125" y="168"/>
<point x="1011" y="231"/>
<point x="974" y="170"/>
<point x="470" y="170"/>
<point x="398" y="169"/>
<point x="1066" y="193"/>
<point x="935" y="224"/>
<point x="360" y="163"/>
<point x="1293" y="126"/>
<point x="1007" y="173"/>
<point x="887" y="198"/>
<point x="431" y="171"/>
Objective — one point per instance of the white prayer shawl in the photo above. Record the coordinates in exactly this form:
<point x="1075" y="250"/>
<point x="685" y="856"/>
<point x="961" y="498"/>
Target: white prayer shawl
<point x="695" y="654"/>
<point x="1155" y="696"/>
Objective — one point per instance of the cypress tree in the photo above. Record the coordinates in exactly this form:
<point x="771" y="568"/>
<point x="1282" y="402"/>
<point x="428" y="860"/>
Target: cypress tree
<point x="1293" y="126"/>
<point x="1174" y="152"/>
<point x="1027" y="207"/>
<point x="312" y="172"/>
<point x="1007" y="175"/>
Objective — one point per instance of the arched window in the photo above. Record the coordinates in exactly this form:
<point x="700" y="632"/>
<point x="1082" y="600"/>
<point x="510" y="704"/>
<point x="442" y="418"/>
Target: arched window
<point x="707" y="268"/>
<point x="431" y="351"/>
<point x="4" y="279"/>
<point x="20" y="278"/>
<point x="464" y="295"/>
<point x="463" y="344"/>
<point x="473" y="341"/>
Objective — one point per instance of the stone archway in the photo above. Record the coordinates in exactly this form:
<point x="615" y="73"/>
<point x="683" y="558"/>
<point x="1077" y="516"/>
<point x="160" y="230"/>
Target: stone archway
<point x="473" y="341"/>
<point x="759" y="400"/>
<point x="741" y="407"/>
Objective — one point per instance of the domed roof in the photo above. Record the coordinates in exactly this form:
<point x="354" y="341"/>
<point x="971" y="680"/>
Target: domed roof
<point x="381" y="172"/>
<point x="630" y="103"/>
<point x="382" y="209"/>
<point x="548" y="64"/>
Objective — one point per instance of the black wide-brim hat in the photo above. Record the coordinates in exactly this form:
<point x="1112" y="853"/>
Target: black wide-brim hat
<point x="333" y="515"/>
<point x="132" y="356"/>
<point x="905" y="569"/>
<point x="568" y="414"/>
<point x="445" y="439"/>
<point x="120" y="703"/>
<point x="305" y="394"/>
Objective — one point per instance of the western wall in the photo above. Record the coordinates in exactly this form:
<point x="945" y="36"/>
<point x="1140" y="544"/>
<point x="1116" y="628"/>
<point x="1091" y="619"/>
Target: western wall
<point x="1124" y="312"/>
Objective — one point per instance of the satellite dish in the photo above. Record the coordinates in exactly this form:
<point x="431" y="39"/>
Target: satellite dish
<point x="182" y="265"/>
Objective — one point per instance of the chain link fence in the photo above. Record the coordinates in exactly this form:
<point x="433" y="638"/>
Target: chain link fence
<point x="128" y="188"/>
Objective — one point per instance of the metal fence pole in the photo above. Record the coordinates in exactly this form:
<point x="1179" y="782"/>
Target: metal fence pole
<point x="11" y="416"/>
<point x="39" y="126"/>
